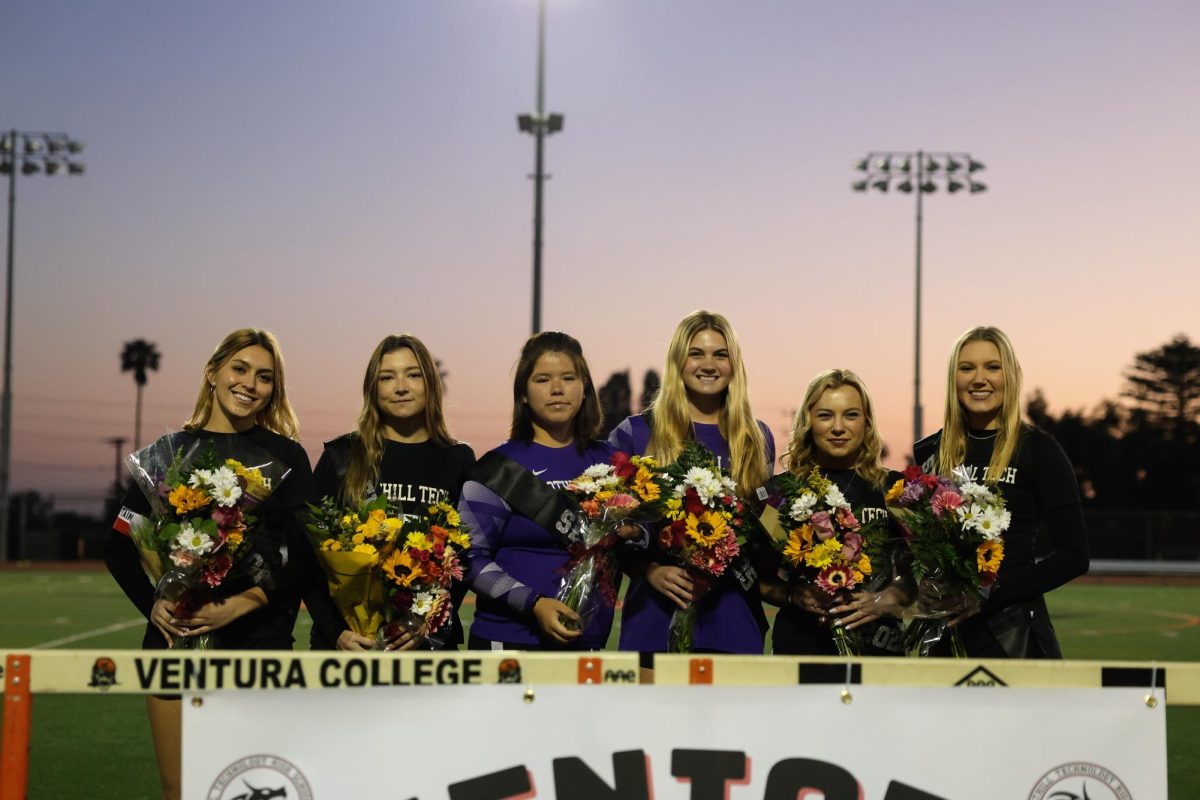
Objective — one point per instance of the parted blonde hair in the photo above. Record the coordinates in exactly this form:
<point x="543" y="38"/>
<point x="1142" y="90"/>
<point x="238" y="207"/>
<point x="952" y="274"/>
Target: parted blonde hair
<point x="800" y="458"/>
<point x="952" y="449"/>
<point x="277" y="415"/>
<point x="672" y="420"/>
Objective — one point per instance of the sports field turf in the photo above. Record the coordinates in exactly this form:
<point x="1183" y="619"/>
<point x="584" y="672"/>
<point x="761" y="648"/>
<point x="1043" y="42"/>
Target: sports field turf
<point x="99" y="746"/>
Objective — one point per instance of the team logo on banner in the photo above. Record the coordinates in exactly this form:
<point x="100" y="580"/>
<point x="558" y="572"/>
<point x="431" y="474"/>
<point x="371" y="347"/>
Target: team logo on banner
<point x="981" y="676"/>
<point x="509" y="671"/>
<point x="104" y="674"/>
<point x="260" y="777"/>
<point x="1080" y="780"/>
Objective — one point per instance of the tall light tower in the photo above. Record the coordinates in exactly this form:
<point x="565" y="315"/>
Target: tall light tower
<point x="920" y="173"/>
<point x="27" y="153"/>
<point x="540" y="125"/>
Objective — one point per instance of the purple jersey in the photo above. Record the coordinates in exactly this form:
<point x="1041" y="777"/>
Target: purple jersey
<point x="511" y="559"/>
<point x="726" y="623"/>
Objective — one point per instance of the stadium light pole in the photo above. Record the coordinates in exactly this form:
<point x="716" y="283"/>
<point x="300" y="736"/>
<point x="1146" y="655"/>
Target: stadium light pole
<point x="540" y="125"/>
<point x="920" y="173"/>
<point x="27" y="153"/>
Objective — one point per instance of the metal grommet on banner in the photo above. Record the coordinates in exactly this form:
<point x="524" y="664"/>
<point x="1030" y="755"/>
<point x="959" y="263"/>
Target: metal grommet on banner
<point x="197" y="701"/>
<point x="1151" y="700"/>
<point x="529" y="696"/>
<point x="847" y="697"/>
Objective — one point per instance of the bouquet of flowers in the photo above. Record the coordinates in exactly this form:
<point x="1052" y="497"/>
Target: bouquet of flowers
<point x="822" y="542"/>
<point x="349" y="542"/>
<point x="610" y="495"/>
<point x="418" y="572"/>
<point x="706" y="529"/>
<point x="201" y="504"/>
<point x="955" y="530"/>
<point x="389" y="574"/>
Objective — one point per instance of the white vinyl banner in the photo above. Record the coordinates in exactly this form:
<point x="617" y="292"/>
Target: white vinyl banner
<point x="675" y="742"/>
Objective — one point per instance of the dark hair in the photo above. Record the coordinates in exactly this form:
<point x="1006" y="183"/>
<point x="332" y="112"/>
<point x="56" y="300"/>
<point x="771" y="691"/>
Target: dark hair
<point x="587" y="420"/>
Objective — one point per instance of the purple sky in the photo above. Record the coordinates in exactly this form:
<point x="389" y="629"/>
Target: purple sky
<point x="336" y="172"/>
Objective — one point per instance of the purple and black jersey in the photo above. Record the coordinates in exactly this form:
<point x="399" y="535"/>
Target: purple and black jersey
<point x="726" y="623"/>
<point x="512" y="560"/>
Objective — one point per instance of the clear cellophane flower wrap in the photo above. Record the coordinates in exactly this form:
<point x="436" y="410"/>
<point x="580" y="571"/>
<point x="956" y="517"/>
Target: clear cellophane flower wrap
<point x="954" y="528"/>
<point x="350" y="543"/>
<point x="199" y="535"/>
<point x="706" y="529"/>
<point x="610" y="495"/>
<point x="821" y="543"/>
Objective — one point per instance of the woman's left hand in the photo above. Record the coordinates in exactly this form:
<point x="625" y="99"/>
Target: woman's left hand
<point x="219" y="613"/>
<point x="865" y="607"/>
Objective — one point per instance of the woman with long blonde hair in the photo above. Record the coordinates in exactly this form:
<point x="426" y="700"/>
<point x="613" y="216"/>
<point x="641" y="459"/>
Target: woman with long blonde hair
<point x="242" y="403"/>
<point x="983" y="432"/>
<point x="401" y="449"/>
<point x="835" y="432"/>
<point x="703" y="397"/>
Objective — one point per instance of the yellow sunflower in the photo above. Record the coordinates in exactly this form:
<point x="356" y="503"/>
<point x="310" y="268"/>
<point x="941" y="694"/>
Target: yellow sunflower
<point x="989" y="555"/>
<point x="707" y="529"/>
<point x="401" y="567"/>
<point x="894" y="492"/>
<point x="644" y="485"/>
<point x="799" y="541"/>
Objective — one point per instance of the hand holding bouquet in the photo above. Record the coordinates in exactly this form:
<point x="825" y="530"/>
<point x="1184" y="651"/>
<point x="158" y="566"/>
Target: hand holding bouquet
<point x="705" y="533"/>
<point x="822" y="543"/>
<point x="349" y="542"/>
<point x="954" y="528"/>
<point x="418" y="571"/>
<point x="611" y="496"/>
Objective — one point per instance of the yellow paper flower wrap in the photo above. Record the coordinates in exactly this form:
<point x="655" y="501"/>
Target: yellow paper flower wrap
<point x="356" y="588"/>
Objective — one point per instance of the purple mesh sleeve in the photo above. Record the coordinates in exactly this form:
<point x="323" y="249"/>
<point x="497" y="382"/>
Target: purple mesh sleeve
<point x="486" y="514"/>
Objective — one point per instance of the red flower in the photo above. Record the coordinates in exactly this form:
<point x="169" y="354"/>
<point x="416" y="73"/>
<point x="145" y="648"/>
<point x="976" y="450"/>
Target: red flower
<point x="692" y="504"/>
<point x="623" y="467"/>
<point x="912" y="472"/>
<point x="215" y="573"/>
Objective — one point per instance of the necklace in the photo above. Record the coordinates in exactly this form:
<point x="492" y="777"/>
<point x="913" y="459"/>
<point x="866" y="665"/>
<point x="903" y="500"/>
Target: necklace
<point x="991" y="435"/>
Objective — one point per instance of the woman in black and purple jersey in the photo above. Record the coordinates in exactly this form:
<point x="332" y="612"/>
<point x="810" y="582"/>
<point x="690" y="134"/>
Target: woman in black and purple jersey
<point x="515" y="564"/>
<point x="703" y="397"/>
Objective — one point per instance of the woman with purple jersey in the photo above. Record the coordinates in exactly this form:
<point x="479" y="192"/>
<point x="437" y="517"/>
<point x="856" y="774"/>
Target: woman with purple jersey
<point x="515" y="564"/>
<point x="703" y="397"/>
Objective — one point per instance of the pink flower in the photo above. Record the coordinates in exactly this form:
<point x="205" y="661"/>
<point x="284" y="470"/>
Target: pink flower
<point x="944" y="500"/>
<point x="822" y="525"/>
<point x="834" y="579"/>
<point x="846" y="519"/>
<point x="215" y="573"/>
<point x="851" y="546"/>
<point x="181" y="558"/>
<point x="622" y="501"/>
<point x="228" y="517"/>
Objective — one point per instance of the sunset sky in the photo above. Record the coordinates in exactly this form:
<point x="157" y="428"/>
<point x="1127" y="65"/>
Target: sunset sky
<point x="338" y="171"/>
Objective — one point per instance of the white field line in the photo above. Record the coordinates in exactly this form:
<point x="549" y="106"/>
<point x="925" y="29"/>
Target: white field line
<point x="78" y="637"/>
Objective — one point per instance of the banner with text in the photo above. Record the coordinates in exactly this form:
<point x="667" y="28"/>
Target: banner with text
<point x="675" y="743"/>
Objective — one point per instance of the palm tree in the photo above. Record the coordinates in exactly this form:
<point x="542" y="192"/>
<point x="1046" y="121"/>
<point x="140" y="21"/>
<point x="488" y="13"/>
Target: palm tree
<point x="137" y="357"/>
